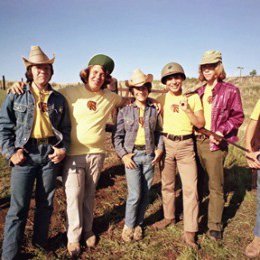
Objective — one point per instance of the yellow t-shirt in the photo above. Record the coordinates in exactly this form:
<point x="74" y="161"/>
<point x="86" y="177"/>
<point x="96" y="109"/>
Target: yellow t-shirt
<point x="42" y="125"/>
<point x="256" y="112"/>
<point x="89" y="112"/>
<point x="207" y="106"/>
<point x="140" y="137"/>
<point x="175" y="120"/>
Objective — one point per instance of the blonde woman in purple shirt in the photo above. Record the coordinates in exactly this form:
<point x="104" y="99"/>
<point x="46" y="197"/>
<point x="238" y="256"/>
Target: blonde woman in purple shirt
<point x="223" y="115"/>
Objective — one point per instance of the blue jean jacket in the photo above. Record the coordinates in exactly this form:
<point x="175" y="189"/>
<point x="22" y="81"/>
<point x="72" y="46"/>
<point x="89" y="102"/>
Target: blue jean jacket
<point x="127" y="127"/>
<point x="17" y="118"/>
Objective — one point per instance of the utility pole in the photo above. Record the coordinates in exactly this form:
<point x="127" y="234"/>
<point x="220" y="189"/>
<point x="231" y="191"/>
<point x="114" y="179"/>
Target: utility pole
<point x="3" y="82"/>
<point x="240" y="71"/>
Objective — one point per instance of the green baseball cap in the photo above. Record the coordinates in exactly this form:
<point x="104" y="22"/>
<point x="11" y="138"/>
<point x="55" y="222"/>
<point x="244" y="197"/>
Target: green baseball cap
<point x="102" y="60"/>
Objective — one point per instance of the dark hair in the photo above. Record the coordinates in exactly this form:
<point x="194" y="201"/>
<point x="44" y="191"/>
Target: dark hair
<point x="148" y="85"/>
<point x="164" y="79"/>
<point x="84" y="74"/>
<point x="29" y="76"/>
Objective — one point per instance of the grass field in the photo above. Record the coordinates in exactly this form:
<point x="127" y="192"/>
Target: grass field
<point x="238" y="217"/>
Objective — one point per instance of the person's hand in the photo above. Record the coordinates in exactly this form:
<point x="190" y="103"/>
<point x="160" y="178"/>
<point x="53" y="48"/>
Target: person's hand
<point x="252" y="160"/>
<point x="16" y="88"/>
<point x="214" y="139"/>
<point x="128" y="162"/>
<point x="158" y="156"/>
<point x="156" y="104"/>
<point x="184" y="105"/>
<point x="58" y="155"/>
<point x="18" y="157"/>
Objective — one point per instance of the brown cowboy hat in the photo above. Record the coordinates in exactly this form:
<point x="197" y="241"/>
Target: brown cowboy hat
<point x="37" y="57"/>
<point x="138" y="79"/>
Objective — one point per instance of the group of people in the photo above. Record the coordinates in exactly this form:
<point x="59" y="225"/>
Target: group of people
<point x="43" y="131"/>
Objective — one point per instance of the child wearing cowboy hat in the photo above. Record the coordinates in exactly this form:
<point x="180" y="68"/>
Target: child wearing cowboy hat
<point x="34" y="138"/>
<point x="138" y="142"/>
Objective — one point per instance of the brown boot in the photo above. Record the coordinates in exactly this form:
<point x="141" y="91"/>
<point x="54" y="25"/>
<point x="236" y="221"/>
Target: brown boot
<point x="253" y="249"/>
<point x="189" y="239"/>
<point x="163" y="223"/>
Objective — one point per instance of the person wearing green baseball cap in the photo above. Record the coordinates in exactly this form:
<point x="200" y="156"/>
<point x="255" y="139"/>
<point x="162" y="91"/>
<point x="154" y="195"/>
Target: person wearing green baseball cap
<point x="223" y="115"/>
<point x="90" y="106"/>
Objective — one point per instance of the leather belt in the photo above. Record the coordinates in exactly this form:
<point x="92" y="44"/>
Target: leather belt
<point x="139" y="147"/>
<point x="48" y="140"/>
<point x="177" y="137"/>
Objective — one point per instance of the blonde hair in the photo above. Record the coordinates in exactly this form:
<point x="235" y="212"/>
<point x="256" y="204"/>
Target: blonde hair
<point x="219" y="70"/>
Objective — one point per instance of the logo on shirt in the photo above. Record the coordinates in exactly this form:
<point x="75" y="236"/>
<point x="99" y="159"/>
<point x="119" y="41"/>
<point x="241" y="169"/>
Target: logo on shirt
<point x="210" y="99"/>
<point x="175" y="108"/>
<point x="141" y="121"/>
<point x="43" y="107"/>
<point x="92" y="105"/>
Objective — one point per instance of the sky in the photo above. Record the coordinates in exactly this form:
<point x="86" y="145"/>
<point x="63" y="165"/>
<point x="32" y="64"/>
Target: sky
<point x="145" y="34"/>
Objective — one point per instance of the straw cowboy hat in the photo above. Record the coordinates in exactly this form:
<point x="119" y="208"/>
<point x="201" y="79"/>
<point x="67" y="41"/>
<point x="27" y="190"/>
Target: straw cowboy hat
<point x="37" y="57"/>
<point x="138" y="79"/>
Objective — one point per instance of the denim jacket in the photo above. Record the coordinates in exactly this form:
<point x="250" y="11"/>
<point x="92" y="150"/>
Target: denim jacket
<point x="227" y="111"/>
<point x="17" y="118"/>
<point x="127" y="127"/>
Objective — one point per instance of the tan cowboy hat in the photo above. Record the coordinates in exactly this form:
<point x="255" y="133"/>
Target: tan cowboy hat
<point x="138" y="79"/>
<point x="36" y="57"/>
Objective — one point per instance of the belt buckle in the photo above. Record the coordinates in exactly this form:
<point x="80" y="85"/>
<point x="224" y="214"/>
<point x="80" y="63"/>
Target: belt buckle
<point x="42" y="141"/>
<point x="177" y="138"/>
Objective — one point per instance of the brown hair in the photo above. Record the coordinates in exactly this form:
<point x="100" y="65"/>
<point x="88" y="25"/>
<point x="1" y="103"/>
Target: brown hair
<point x="219" y="69"/>
<point x="29" y="76"/>
<point x="84" y="74"/>
<point x="148" y="85"/>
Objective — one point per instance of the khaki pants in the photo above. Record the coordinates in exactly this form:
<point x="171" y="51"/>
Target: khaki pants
<point x="213" y="165"/>
<point x="81" y="174"/>
<point x="180" y="154"/>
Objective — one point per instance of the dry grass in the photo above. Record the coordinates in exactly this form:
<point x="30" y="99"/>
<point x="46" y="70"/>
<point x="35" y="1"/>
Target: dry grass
<point x="239" y="214"/>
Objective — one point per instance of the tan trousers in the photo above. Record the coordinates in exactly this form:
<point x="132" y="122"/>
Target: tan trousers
<point x="180" y="154"/>
<point x="80" y="177"/>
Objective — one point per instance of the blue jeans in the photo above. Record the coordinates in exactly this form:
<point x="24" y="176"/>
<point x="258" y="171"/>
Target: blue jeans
<point x="139" y="181"/>
<point x="36" y="167"/>
<point x="257" y="226"/>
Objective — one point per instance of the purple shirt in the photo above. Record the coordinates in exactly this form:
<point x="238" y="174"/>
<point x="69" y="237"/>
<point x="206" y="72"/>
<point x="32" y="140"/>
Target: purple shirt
<point x="227" y="111"/>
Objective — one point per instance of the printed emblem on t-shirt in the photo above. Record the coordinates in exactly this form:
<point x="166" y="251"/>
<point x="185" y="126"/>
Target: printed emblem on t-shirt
<point x="43" y="107"/>
<point x="141" y="121"/>
<point x="210" y="99"/>
<point x="92" y="105"/>
<point x="175" y="108"/>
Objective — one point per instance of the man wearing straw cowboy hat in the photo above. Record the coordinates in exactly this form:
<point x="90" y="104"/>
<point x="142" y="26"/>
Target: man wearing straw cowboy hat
<point x="139" y="143"/>
<point x="34" y="137"/>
